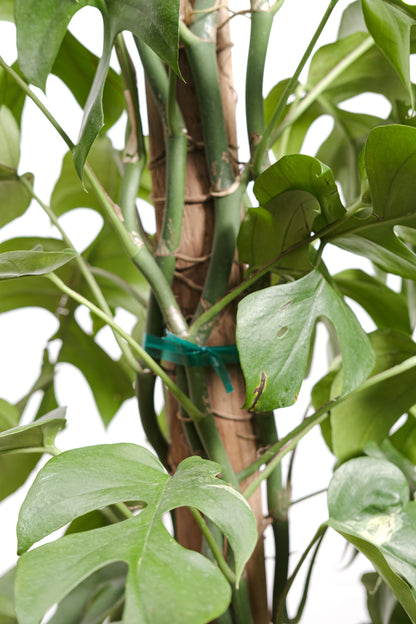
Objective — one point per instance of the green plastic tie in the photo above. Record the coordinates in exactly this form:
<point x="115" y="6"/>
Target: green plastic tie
<point x="179" y="351"/>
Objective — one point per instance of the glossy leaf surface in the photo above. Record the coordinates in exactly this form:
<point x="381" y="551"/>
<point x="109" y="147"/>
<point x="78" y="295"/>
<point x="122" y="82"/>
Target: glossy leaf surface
<point x="165" y="582"/>
<point x="39" y="434"/>
<point x="390" y="159"/>
<point x="34" y="262"/>
<point x="390" y="26"/>
<point x="368" y="502"/>
<point x="274" y="330"/>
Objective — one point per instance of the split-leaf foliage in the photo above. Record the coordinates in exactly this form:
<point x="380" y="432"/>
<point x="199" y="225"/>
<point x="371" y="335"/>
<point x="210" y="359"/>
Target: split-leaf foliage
<point x="117" y="561"/>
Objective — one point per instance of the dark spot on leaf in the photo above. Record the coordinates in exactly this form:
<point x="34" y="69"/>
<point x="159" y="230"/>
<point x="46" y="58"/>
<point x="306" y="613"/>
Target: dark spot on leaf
<point x="286" y="305"/>
<point x="282" y="332"/>
<point x="259" y="390"/>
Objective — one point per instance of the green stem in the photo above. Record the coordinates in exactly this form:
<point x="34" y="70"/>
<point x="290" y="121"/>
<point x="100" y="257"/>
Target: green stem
<point x="274" y="455"/>
<point x="261" y="25"/>
<point x="193" y="412"/>
<point x="317" y="539"/>
<point x="216" y="550"/>
<point x="132" y="241"/>
<point x="85" y="271"/>
<point x="278" y="500"/>
<point x="27" y="90"/>
<point x="134" y="156"/>
<point x="119" y="281"/>
<point x="266" y="139"/>
<point x="142" y="258"/>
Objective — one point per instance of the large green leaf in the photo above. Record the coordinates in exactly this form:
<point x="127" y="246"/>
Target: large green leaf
<point x="274" y="331"/>
<point x="368" y="502"/>
<point x="11" y="95"/>
<point x="41" y="26"/>
<point x="165" y="583"/>
<point x="292" y="193"/>
<point x="390" y="160"/>
<point x="387" y="308"/>
<point x="34" y="262"/>
<point x="389" y="25"/>
<point x="75" y="65"/>
<point x="94" y="599"/>
<point x="371" y="72"/>
<point x="109" y="383"/>
<point x="369" y="413"/>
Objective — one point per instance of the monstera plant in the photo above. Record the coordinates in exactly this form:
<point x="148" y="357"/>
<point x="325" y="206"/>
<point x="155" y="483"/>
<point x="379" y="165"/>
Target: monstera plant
<point x="226" y="299"/>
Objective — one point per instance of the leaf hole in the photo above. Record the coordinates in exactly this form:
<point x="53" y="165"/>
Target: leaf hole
<point x="282" y="332"/>
<point x="285" y="306"/>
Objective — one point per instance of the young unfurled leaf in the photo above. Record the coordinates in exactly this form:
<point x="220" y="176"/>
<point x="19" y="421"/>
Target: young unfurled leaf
<point x="274" y="331"/>
<point x="368" y="502"/>
<point x="165" y="582"/>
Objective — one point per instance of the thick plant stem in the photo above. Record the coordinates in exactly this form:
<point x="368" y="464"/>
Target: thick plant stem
<point x="278" y="501"/>
<point x="261" y="25"/>
<point x="264" y="143"/>
<point x="164" y="92"/>
<point x="226" y="190"/>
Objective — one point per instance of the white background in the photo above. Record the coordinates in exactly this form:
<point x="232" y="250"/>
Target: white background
<point x="335" y="594"/>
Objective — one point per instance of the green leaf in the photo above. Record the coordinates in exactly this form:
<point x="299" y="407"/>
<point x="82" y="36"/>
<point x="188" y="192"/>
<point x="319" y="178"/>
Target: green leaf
<point x="342" y="149"/>
<point x="381" y="602"/>
<point x="301" y="173"/>
<point x="33" y="262"/>
<point x="390" y="159"/>
<point x="404" y="439"/>
<point x="165" y="582"/>
<point x="267" y="232"/>
<point x="33" y="291"/>
<point x="387" y="308"/>
<point x="390" y="27"/>
<point x="11" y="96"/>
<point x="75" y="65"/>
<point x="6" y="10"/>
<point x="69" y="192"/>
<point x="37" y="435"/>
<point x="371" y="72"/>
<point x="370" y="412"/>
<point x="7" y="610"/>
<point x="368" y="502"/>
<point x="94" y="598"/>
<point x="119" y="279"/>
<point x="386" y="450"/>
<point x="274" y="330"/>
<point x="13" y="470"/>
<point x="14" y="198"/>
<point x="41" y="26"/>
<point x="109" y="383"/>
